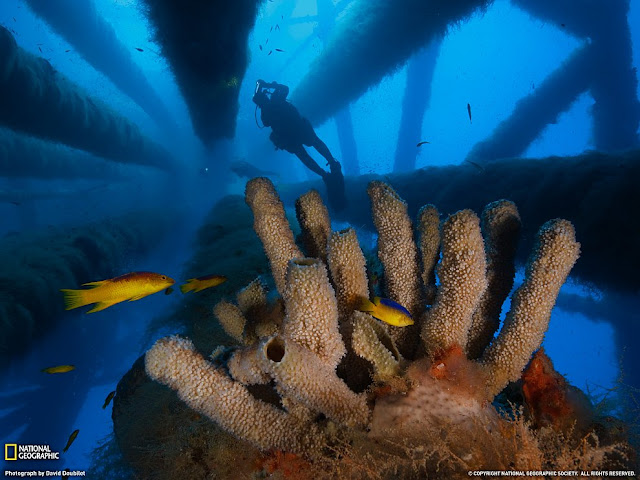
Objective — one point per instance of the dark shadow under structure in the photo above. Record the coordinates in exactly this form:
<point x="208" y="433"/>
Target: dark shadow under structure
<point x="206" y="45"/>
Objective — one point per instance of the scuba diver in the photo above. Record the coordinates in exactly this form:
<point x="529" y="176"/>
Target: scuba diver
<point x="290" y="131"/>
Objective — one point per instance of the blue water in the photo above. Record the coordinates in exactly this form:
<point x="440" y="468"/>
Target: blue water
<point x="489" y="61"/>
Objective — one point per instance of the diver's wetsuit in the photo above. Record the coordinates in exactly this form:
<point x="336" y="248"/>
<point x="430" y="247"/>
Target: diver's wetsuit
<point x="290" y="130"/>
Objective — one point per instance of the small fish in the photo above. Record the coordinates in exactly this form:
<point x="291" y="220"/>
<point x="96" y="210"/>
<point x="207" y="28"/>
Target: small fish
<point x="270" y="51"/>
<point x="266" y="41"/>
<point x="271" y="29"/>
<point x="387" y="311"/>
<point x="422" y="143"/>
<point x="469" y="112"/>
<point x="562" y="25"/>
<point x="277" y="27"/>
<point x="67" y="51"/>
<point x="260" y="46"/>
<point x="40" y="49"/>
<point x="72" y="437"/>
<point x="168" y="291"/>
<point x="58" y="369"/>
<point x="139" y="49"/>
<point x="279" y="50"/>
<point x="477" y="165"/>
<point x="14" y="19"/>
<point x="130" y="286"/>
<point x="200" y="283"/>
<point x="108" y="399"/>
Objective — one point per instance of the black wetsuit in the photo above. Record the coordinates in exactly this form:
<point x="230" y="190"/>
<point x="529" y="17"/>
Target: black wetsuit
<point x="289" y="129"/>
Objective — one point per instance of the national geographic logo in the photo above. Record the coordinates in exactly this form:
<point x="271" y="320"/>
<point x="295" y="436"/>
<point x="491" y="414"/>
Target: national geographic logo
<point x="13" y="451"/>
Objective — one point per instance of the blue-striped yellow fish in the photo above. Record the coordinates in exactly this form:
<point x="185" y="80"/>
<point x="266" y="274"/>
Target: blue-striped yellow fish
<point x="387" y="311"/>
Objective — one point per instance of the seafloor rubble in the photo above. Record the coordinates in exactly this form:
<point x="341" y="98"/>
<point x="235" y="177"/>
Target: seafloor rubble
<point x="316" y="389"/>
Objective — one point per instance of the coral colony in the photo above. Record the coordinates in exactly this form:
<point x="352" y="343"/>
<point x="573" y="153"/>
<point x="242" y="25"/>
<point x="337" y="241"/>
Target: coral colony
<point x="361" y="398"/>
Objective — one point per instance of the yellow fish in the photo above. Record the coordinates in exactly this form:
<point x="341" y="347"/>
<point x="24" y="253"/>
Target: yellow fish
<point x="72" y="437"/>
<point x="387" y="310"/>
<point x="131" y="286"/>
<point x="200" y="283"/>
<point x="58" y="369"/>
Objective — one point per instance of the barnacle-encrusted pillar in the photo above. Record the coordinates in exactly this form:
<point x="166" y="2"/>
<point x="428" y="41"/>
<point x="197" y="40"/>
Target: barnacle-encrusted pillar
<point x="462" y="282"/>
<point x="271" y="225"/>
<point x="399" y="256"/>
<point x="174" y="362"/>
<point x="312" y="311"/>
<point x="501" y="228"/>
<point x="429" y="243"/>
<point x="315" y="224"/>
<point x="555" y="254"/>
<point x="348" y="270"/>
<point x="396" y="248"/>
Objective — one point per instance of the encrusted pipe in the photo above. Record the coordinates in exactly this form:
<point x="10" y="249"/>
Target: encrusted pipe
<point x="348" y="270"/>
<point x="312" y="311"/>
<point x="271" y="225"/>
<point x="462" y="282"/>
<point x="555" y="254"/>
<point x="501" y="229"/>
<point x="315" y="224"/>
<point x="429" y="243"/>
<point x="40" y="101"/>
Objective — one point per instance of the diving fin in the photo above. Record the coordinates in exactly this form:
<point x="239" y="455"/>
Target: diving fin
<point x="335" y="187"/>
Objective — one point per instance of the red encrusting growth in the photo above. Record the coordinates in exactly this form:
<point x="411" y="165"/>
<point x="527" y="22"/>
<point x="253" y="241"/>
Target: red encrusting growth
<point x="462" y="375"/>
<point x="550" y="398"/>
<point x="446" y="363"/>
<point x="289" y="465"/>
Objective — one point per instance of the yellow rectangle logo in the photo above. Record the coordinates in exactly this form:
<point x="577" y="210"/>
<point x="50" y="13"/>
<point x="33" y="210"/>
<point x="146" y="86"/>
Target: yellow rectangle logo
<point x="7" y="447"/>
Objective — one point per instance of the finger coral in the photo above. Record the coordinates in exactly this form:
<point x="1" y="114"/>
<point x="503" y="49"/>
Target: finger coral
<point x="423" y="412"/>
